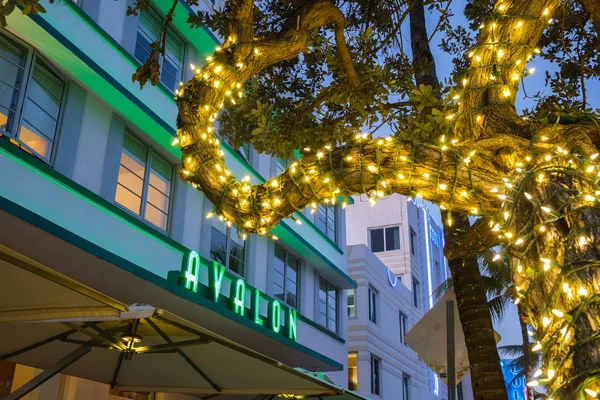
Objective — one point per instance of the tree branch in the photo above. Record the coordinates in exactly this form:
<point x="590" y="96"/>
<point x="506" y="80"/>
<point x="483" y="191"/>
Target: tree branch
<point x="503" y="48"/>
<point x="593" y="8"/>
<point x="472" y="242"/>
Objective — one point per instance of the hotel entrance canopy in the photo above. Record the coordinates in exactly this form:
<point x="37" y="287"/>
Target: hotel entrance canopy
<point x="52" y="322"/>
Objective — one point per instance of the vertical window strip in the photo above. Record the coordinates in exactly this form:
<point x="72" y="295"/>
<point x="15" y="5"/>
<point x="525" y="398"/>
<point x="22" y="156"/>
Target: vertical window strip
<point x="31" y="99"/>
<point x="287" y="271"/>
<point x="149" y="28"/>
<point x="225" y="250"/>
<point x="328" y="305"/>
<point x="144" y="184"/>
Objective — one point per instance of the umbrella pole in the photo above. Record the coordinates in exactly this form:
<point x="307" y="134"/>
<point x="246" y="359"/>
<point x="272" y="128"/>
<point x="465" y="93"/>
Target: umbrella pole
<point x="450" y="350"/>
<point x="48" y="373"/>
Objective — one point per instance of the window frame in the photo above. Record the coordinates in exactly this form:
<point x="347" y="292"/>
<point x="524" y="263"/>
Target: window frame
<point x="298" y="277"/>
<point x="403" y="321"/>
<point x="161" y="61"/>
<point x="228" y="241"/>
<point x="31" y="56"/>
<point x="353" y="354"/>
<point x="413" y="241"/>
<point x="150" y="151"/>
<point x="328" y="286"/>
<point x="416" y="286"/>
<point x="405" y="387"/>
<point x="384" y="229"/>
<point x="326" y="209"/>
<point x="375" y="377"/>
<point x="353" y="305"/>
<point x="373" y="304"/>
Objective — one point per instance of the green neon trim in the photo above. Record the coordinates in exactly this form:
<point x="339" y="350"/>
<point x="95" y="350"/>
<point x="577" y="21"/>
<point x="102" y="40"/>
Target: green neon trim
<point x="238" y="296"/>
<point x="276" y="316"/>
<point x="42" y="169"/>
<point x="257" y="319"/>
<point x="216" y="281"/>
<point x="292" y="321"/>
<point x="192" y="273"/>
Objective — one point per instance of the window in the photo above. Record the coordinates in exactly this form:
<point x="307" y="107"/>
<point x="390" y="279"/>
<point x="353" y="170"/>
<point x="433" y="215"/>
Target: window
<point x="31" y="99"/>
<point x="144" y="183"/>
<point x="286" y="277"/>
<point x="375" y="375"/>
<point x="416" y="286"/>
<point x="327" y="305"/>
<point x="171" y="65"/>
<point x="352" y="372"/>
<point x="227" y="248"/>
<point x="373" y="305"/>
<point x="282" y="165"/>
<point x="405" y="387"/>
<point x="351" y="303"/>
<point x="413" y="242"/>
<point x="385" y="239"/>
<point x="326" y="219"/>
<point x="403" y="326"/>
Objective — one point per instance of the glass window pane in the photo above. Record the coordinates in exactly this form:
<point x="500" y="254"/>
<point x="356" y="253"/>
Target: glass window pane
<point x="158" y="200"/>
<point x="377" y="240"/>
<point x="321" y="318"/>
<point x="134" y="166"/>
<point x="392" y="238"/>
<point x="4" y="115"/>
<point x="130" y="180"/>
<point x="39" y="119"/>
<point x="332" y="324"/>
<point x="163" y="170"/>
<point x="170" y="82"/>
<point x="156" y="216"/>
<point x="236" y="258"/>
<point x="12" y="52"/>
<point x="278" y="279"/>
<point x="48" y="87"/>
<point x="35" y="140"/>
<point x="10" y="80"/>
<point x="128" y="199"/>
<point x="135" y="148"/>
<point x="142" y="48"/>
<point x="175" y="48"/>
<point x="150" y="23"/>
<point x="279" y="264"/>
<point x="218" y="241"/>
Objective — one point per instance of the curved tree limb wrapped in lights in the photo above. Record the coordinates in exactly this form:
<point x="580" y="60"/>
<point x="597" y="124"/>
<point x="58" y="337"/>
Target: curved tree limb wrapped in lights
<point x="536" y="182"/>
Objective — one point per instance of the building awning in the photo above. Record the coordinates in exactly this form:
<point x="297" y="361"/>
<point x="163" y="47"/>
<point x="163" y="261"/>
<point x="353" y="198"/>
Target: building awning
<point x="54" y="323"/>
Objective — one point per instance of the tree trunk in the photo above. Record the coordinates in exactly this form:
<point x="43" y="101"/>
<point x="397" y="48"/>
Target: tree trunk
<point x="423" y="61"/>
<point x="487" y="379"/>
<point x="527" y="354"/>
<point x="559" y="280"/>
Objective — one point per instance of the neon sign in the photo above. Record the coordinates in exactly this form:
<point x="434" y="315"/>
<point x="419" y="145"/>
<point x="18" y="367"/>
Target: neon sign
<point x="190" y="279"/>
<point x="393" y="281"/>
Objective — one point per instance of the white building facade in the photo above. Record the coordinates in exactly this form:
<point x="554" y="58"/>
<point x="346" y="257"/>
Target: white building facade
<point x="89" y="166"/>
<point x="395" y="254"/>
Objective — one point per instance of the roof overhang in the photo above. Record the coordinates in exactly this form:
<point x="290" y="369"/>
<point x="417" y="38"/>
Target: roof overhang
<point x="55" y="323"/>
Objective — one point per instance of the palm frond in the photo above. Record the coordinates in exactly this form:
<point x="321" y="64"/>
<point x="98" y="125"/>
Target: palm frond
<point x="444" y="287"/>
<point x="497" y="307"/>
<point x="511" y="350"/>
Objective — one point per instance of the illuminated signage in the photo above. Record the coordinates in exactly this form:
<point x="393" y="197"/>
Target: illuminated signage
<point x="190" y="279"/>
